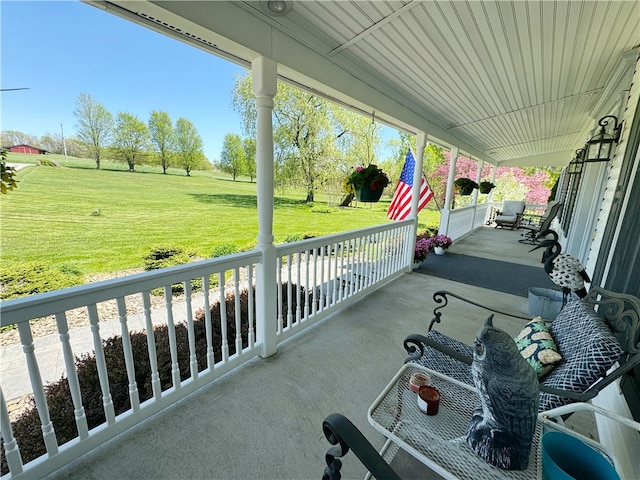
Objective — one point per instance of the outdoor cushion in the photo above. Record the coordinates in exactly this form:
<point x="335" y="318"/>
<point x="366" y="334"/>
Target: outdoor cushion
<point x="443" y="363"/>
<point x="585" y="342"/>
<point x="588" y="348"/>
<point x="511" y="210"/>
<point x="537" y="347"/>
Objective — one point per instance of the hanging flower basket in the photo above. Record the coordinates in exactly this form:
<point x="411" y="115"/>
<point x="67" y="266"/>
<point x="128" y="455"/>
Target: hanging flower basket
<point x="366" y="194"/>
<point x="465" y="186"/>
<point x="485" y="187"/>
<point x="366" y="183"/>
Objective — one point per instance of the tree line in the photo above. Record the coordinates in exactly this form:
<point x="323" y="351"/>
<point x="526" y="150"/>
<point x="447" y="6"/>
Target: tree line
<point x="128" y="139"/>
<point x="316" y="143"/>
<point x="125" y="138"/>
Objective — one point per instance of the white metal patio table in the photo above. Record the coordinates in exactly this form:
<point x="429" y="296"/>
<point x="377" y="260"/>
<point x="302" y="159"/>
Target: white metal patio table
<point x="439" y="441"/>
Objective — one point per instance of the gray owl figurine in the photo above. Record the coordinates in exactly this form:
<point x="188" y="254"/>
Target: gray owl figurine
<point x="501" y="429"/>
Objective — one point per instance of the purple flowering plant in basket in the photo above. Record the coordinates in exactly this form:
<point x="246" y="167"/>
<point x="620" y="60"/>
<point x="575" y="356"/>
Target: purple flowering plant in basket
<point x="422" y="251"/>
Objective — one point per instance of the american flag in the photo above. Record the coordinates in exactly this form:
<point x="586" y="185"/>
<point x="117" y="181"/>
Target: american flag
<point x="400" y="207"/>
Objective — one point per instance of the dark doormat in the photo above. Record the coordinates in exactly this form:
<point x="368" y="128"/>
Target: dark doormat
<point x="506" y="277"/>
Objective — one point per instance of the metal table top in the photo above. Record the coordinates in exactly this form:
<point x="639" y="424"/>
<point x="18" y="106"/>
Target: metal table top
<point x="439" y="441"/>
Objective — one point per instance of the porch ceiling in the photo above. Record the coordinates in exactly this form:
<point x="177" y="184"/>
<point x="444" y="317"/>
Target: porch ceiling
<point x="512" y="83"/>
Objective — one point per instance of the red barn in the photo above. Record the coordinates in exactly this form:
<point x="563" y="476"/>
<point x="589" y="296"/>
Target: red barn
<point x="27" y="149"/>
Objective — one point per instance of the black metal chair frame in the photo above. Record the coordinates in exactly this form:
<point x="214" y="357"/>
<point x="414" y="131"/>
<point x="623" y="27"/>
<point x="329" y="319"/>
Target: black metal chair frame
<point x="621" y="312"/>
<point x="531" y="235"/>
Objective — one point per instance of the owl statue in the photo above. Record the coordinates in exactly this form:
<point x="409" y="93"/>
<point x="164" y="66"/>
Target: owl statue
<point x="501" y="429"/>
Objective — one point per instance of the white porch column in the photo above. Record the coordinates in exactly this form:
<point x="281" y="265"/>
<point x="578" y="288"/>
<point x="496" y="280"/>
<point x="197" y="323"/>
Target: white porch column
<point x="264" y="88"/>
<point x="476" y="192"/>
<point x="490" y="197"/>
<point x="478" y="178"/>
<point x="493" y="180"/>
<point x="421" y="142"/>
<point x="444" y="215"/>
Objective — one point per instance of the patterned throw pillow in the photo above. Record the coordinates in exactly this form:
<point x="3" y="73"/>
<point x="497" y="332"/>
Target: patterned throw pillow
<point x="537" y="347"/>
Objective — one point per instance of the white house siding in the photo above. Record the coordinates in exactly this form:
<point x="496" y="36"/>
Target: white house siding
<point x="614" y="167"/>
<point x="619" y="439"/>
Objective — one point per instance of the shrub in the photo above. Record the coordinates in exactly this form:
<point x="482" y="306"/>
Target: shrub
<point x="224" y="249"/>
<point x="163" y="256"/>
<point x="169" y="255"/>
<point x="35" y="277"/>
<point x="47" y="162"/>
<point x="293" y="237"/>
<point x="26" y="428"/>
<point x="428" y="233"/>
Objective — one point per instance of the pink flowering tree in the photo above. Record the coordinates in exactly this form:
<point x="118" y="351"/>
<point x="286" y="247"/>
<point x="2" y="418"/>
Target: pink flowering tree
<point x="533" y="185"/>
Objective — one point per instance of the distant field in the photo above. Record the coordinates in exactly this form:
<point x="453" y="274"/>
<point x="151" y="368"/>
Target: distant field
<point x="105" y="220"/>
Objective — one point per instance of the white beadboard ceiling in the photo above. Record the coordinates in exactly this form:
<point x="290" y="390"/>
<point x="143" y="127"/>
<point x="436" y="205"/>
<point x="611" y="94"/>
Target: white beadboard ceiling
<point x="510" y="82"/>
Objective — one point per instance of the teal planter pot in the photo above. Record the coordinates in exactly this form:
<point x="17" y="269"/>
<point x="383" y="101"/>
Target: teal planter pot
<point x="365" y="194"/>
<point x="565" y="457"/>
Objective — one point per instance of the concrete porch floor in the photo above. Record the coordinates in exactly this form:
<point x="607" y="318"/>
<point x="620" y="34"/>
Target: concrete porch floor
<point x="264" y="420"/>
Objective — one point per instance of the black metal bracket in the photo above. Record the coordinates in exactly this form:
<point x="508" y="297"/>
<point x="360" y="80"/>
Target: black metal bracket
<point x="440" y="297"/>
<point x="339" y="431"/>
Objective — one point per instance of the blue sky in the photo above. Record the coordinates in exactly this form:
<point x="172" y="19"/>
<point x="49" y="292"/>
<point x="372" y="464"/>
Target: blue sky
<point x="62" y="49"/>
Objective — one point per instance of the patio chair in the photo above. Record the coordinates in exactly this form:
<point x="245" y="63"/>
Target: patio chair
<point x="510" y="215"/>
<point x="543" y="224"/>
<point x="598" y="338"/>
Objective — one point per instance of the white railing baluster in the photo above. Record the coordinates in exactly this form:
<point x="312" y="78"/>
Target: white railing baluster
<point x="11" y="448"/>
<point x="207" y="323"/>
<point x="223" y="318"/>
<point x="307" y="292"/>
<point x="171" y="331"/>
<point x="250" y="296"/>
<point x="289" y="291"/>
<point x="336" y="272"/>
<point x="101" y="364"/>
<point x="280" y="320"/>
<point x="360" y="264"/>
<point x="238" y="310"/>
<point x="369" y="249"/>
<point x="349" y="273"/>
<point x="128" y="355"/>
<point x="72" y="375"/>
<point x="315" y="282"/>
<point x="48" y="434"/>
<point x="191" y="332"/>
<point x="298" y="287"/>
<point x="324" y="284"/>
<point x="343" y="274"/>
<point x="379" y="256"/>
<point x="151" y="346"/>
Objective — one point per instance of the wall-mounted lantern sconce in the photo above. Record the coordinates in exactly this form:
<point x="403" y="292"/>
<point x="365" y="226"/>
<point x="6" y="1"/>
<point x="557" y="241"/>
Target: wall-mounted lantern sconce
<point x="598" y="149"/>
<point x="576" y="164"/>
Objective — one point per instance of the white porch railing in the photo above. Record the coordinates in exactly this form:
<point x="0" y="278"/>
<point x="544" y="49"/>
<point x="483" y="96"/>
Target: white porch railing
<point x="459" y="222"/>
<point x="315" y="277"/>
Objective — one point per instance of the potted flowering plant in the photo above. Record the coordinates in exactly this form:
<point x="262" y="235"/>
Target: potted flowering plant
<point x="367" y="183"/>
<point x="440" y="243"/>
<point x="422" y="251"/>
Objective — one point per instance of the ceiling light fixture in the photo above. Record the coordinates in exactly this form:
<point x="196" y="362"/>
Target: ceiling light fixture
<point x="599" y="147"/>
<point x="277" y="8"/>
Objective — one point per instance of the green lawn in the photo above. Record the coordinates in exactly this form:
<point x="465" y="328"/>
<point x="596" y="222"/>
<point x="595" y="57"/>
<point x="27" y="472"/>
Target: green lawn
<point x="105" y="220"/>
